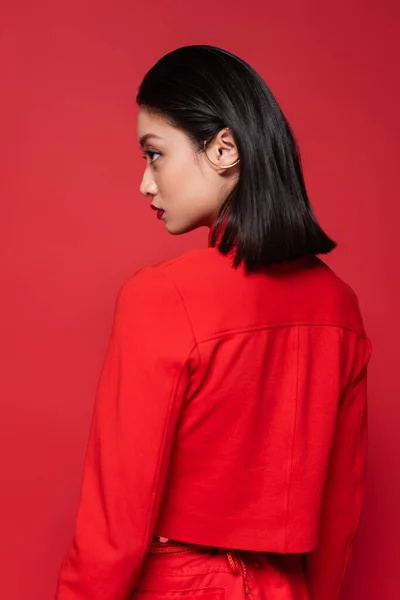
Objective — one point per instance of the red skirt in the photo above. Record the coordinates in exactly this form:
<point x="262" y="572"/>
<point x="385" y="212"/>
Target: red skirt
<point x="175" y="571"/>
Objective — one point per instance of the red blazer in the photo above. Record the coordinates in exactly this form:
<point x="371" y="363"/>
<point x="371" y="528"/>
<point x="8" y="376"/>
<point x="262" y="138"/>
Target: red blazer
<point x="231" y="412"/>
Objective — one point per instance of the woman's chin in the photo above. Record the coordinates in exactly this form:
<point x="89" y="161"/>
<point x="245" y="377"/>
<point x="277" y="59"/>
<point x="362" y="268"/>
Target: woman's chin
<point x="178" y="229"/>
<point x="170" y="228"/>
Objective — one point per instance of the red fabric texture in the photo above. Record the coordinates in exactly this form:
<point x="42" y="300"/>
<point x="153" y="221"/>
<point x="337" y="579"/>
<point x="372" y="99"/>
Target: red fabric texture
<point x="231" y="412"/>
<point x="205" y="576"/>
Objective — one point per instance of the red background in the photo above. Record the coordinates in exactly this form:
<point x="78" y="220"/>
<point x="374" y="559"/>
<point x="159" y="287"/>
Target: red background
<point x="73" y="227"/>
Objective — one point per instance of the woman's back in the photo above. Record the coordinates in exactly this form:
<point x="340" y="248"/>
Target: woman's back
<point x="274" y="353"/>
<point x="230" y="414"/>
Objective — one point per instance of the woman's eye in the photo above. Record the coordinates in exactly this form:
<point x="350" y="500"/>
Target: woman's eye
<point x="152" y="155"/>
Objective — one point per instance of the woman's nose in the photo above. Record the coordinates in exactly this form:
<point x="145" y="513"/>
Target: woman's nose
<point x="148" y="186"/>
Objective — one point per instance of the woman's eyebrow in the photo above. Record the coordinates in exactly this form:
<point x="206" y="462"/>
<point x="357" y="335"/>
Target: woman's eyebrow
<point x="144" y="138"/>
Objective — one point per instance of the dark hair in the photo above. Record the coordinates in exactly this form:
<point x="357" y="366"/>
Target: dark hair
<point x="267" y="218"/>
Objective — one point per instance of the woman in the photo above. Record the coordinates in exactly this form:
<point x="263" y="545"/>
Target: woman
<point x="227" y="450"/>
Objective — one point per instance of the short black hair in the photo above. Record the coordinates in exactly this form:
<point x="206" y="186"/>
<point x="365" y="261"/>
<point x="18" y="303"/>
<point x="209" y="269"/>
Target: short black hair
<point x="267" y="218"/>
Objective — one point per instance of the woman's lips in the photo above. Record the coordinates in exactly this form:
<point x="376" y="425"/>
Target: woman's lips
<point x="159" y="211"/>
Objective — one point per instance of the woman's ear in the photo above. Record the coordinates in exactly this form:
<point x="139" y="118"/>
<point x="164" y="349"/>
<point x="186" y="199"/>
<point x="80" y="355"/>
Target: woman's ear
<point x="222" y="152"/>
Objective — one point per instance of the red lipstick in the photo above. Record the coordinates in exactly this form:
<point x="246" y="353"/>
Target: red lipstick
<point x="159" y="211"/>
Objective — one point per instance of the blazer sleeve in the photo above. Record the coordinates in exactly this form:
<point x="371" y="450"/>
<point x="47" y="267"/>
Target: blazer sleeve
<point x="140" y="394"/>
<point x="345" y="485"/>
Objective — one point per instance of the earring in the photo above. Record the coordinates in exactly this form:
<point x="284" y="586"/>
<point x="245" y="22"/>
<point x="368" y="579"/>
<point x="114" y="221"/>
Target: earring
<point x="215" y="164"/>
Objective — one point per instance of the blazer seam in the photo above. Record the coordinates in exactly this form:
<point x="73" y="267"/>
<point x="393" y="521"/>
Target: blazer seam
<point x="196" y="343"/>
<point x="168" y="420"/>
<point x="155" y="488"/>
<point x="359" y="504"/>
<point x="276" y="326"/>
<point x="291" y="458"/>
<point x="359" y="375"/>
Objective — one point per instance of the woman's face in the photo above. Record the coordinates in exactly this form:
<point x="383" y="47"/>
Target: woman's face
<point x="185" y="189"/>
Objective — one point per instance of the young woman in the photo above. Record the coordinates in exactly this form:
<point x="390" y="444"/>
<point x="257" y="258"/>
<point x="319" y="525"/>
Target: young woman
<point x="227" y="451"/>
